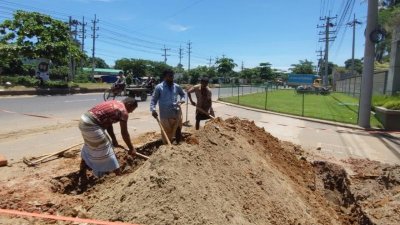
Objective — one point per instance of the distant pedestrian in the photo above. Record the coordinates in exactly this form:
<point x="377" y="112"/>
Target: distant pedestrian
<point x="97" y="151"/>
<point x="166" y="95"/>
<point x="204" y="101"/>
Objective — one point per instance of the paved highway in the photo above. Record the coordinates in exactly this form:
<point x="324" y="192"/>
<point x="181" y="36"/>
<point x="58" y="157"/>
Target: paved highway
<point x="35" y="125"/>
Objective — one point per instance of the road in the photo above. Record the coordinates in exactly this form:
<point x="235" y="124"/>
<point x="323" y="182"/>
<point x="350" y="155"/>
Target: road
<point x="35" y="125"/>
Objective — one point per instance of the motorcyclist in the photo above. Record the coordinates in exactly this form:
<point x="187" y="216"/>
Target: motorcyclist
<point x="120" y="84"/>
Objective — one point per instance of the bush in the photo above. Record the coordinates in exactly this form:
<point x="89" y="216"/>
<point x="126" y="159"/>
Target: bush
<point x="55" y="84"/>
<point x="394" y="105"/>
<point x="26" y="81"/>
<point x="82" y="77"/>
<point x="59" y="73"/>
<point x="380" y="100"/>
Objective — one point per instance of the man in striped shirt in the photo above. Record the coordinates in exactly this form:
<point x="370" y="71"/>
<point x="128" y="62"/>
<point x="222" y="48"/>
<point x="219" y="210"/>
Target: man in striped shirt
<point x="97" y="151"/>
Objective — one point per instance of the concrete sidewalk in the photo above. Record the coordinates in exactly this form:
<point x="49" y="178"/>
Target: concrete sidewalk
<point x="333" y="140"/>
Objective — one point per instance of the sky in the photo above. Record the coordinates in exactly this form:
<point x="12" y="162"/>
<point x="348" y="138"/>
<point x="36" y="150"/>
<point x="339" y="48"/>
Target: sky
<point x="248" y="31"/>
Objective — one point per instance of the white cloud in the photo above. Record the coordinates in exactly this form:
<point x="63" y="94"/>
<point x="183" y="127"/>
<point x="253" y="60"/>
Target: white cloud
<point x="178" y="27"/>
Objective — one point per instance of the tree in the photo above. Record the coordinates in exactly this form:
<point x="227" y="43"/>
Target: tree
<point x="179" y="68"/>
<point x="98" y="62"/>
<point x="225" y="65"/>
<point x="389" y="19"/>
<point x="123" y="64"/>
<point x="303" y="67"/>
<point x="358" y="65"/>
<point x="35" y="35"/>
<point x="265" y="71"/>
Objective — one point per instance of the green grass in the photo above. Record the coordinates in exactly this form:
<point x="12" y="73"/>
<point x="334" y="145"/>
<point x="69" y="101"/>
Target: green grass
<point x="334" y="107"/>
<point x="93" y="85"/>
<point x="81" y="85"/>
<point x="389" y="102"/>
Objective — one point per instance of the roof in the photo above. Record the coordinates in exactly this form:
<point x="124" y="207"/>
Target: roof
<point x="101" y="70"/>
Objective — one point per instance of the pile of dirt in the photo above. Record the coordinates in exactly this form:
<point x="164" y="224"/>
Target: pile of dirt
<point x="230" y="172"/>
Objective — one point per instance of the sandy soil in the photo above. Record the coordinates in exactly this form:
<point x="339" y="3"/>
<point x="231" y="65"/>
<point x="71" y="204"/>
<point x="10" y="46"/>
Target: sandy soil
<point x="230" y="172"/>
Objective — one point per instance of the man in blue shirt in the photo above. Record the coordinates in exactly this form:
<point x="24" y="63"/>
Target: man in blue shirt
<point x="166" y="94"/>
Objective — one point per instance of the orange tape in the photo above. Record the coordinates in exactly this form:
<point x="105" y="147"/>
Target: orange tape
<point x="64" y="218"/>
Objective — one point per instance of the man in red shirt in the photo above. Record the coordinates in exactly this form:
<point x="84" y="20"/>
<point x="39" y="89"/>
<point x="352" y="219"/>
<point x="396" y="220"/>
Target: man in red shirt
<point x="97" y="151"/>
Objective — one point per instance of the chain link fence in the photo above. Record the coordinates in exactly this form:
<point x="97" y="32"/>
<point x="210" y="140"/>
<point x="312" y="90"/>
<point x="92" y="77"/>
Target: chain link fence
<point x="333" y="106"/>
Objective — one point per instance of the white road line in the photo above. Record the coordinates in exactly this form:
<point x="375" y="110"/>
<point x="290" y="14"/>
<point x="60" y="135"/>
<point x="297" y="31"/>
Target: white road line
<point x="81" y="100"/>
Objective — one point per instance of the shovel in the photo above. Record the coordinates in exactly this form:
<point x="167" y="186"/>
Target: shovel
<point x="163" y="131"/>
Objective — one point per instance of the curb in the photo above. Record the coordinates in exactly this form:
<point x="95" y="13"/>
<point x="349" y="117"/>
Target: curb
<point x="52" y="91"/>
<point x="302" y="118"/>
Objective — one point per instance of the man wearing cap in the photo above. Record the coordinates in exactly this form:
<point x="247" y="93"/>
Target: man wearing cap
<point x="204" y="102"/>
<point x="166" y="94"/>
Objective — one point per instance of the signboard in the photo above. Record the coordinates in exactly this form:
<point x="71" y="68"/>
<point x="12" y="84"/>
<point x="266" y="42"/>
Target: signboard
<point x="41" y="67"/>
<point x="301" y="79"/>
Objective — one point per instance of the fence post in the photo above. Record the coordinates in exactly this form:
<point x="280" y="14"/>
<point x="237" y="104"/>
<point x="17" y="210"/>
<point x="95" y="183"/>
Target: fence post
<point x="238" y="93"/>
<point x="302" y="108"/>
<point x="232" y="89"/>
<point x="266" y="97"/>
<point x="219" y="90"/>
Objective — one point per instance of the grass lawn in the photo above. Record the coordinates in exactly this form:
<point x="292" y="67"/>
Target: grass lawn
<point x="81" y="85"/>
<point x="335" y="107"/>
<point x="93" y="85"/>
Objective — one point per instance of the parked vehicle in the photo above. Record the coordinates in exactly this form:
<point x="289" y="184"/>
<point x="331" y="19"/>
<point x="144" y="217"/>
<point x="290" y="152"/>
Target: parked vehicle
<point x="307" y="83"/>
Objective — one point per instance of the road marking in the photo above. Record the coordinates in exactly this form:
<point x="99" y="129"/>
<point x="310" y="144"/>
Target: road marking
<point x="81" y="100"/>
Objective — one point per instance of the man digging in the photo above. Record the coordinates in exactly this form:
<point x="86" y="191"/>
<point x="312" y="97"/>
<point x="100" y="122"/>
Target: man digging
<point x="204" y="101"/>
<point x="166" y="94"/>
<point x="97" y="151"/>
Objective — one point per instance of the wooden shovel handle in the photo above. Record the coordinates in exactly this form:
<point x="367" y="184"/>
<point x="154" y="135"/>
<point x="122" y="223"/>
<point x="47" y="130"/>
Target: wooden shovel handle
<point x="163" y="131"/>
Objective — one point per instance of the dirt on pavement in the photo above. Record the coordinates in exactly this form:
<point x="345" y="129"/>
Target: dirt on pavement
<point x="230" y="172"/>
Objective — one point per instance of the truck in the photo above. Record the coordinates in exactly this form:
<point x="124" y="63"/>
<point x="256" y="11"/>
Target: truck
<point x="309" y="83"/>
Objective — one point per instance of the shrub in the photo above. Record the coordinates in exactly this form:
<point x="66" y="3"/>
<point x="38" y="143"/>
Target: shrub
<point x="55" y="84"/>
<point x="59" y="73"/>
<point x="394" y="105"/>
<point x="26" y="81"/>
<point x="82" y="77"/>
<point x="380" y="100"/>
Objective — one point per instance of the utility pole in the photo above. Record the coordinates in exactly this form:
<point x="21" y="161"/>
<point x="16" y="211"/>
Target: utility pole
<point x="328" y="24"/>
<point x="165" y="53"/>
<point x="180" y="55"/>
<point x="242" y="66"/>
<point x="94" y="36"/>
<point x="319" y="61"/>
<point x="364" y="112"/>
<point x="353" y="24"/>
<point x="189" y="51"/>
<point x="209" y="62"/>
<point x="69" y="49"/>
<point x="83" y="35"/>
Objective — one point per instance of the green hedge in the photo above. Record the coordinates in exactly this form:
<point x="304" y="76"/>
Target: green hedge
<point x="26" y="81"/>
<point x="389" y="102"/>
<point x="395" y="105"/>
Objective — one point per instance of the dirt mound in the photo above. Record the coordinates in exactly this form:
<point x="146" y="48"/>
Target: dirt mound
<point x="230" y="172"/>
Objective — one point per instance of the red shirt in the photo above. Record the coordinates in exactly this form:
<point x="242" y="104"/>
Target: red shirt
<point x="109" y="112"/>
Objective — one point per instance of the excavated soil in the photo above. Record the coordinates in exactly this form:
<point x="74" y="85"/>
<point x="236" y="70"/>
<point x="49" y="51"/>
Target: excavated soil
<point x="232" y="172"/>
<point x="229" y="172"/>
